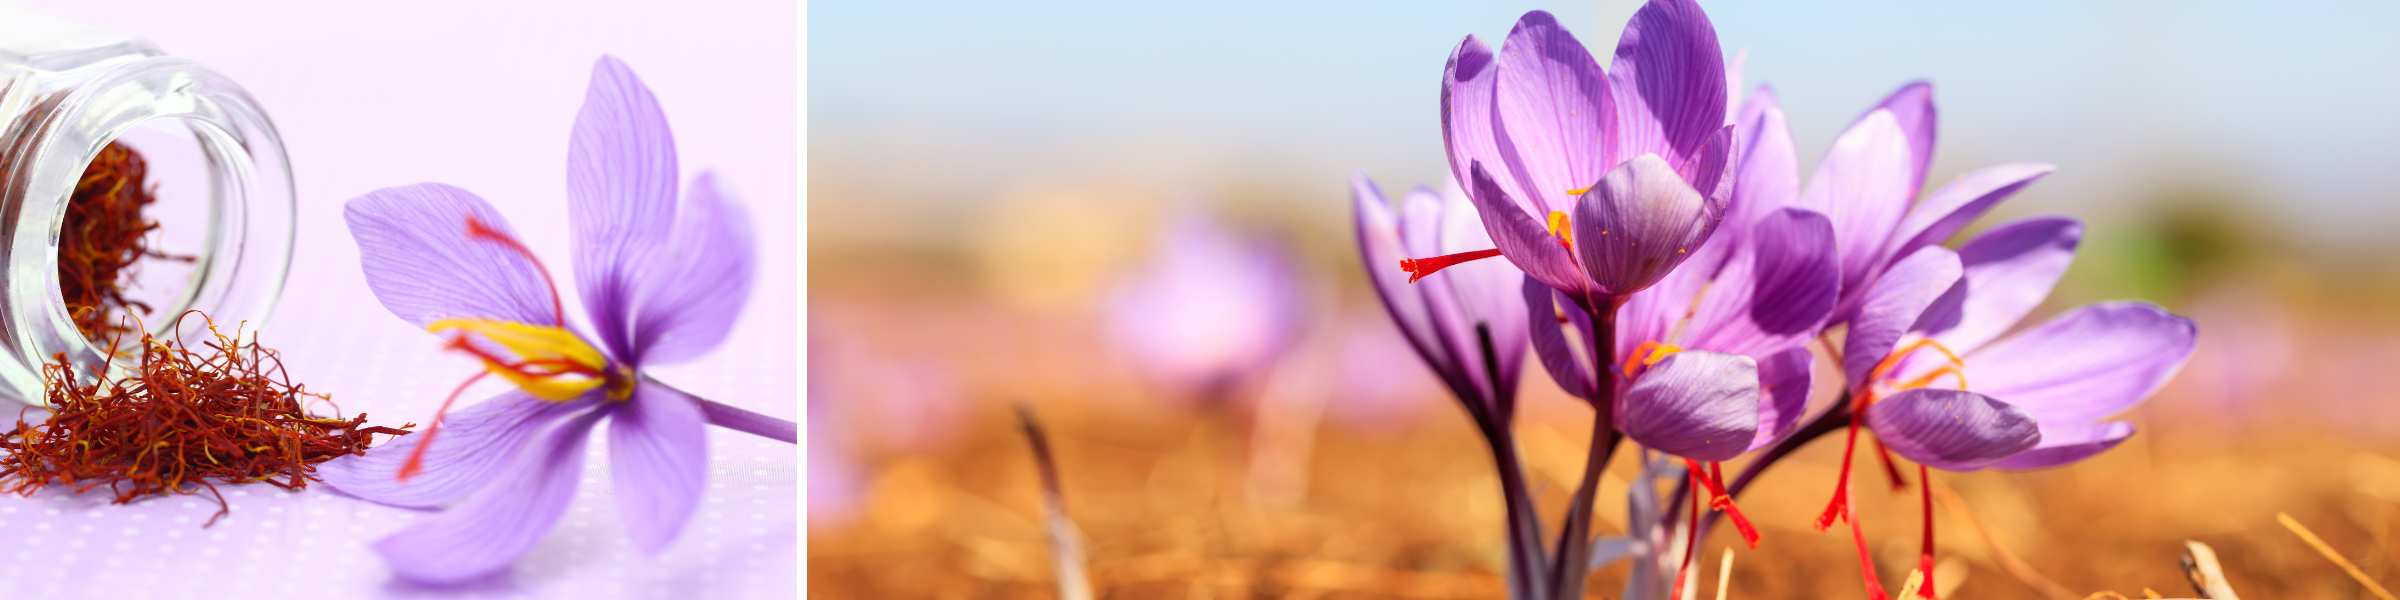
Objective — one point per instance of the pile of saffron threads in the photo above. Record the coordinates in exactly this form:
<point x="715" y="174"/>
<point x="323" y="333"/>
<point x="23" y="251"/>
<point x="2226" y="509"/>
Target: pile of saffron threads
<point x="183" y="420"/>
<point x="101" y="238"/>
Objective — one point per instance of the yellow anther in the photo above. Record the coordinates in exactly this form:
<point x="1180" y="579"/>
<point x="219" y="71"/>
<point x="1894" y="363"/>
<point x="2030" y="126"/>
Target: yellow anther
<point x="1955" y="365"/>
<point x="1579" y="192"/>
<point x="552" y="363"/>
<point x="1562" y="228"/>
<point x="1647" y="354"/>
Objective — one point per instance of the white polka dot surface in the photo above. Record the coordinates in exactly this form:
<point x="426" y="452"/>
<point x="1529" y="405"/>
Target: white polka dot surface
<point x="315" y="543"/>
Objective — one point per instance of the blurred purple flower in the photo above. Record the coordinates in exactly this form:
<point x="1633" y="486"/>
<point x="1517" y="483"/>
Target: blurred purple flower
<point x="663" y="281"/>
<point x="1595" y="183"/>
<point x="834" y="481"/>
<point x="1366" y="394"/>
<point x="1209" y="312"/>
<point x="2250" y="349"/>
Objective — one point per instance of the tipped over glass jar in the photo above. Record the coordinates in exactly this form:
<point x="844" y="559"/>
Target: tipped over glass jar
<point x="134" y="186"/>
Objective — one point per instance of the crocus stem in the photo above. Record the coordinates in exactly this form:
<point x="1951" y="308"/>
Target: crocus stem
<point x="1525" y="555"/>
<point x="1574" y="538"/>
<point x="738" y="419"/>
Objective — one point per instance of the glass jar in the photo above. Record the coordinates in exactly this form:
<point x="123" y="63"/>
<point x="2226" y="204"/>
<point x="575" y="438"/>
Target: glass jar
<point x="65" y="93"/>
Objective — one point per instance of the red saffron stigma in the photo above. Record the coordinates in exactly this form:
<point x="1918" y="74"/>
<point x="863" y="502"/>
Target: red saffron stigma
<point x="1713" y="480"/>
<point x="1925" y="556"/>
<point x="558" y="308"/>
<point x="179" y="419"/>
<point x="1890" y="470"/>
<point x="1839" y="509"/>
<point x="416" y="456"/>
<point x="1691" y="537"/>
<point x="531" y="369"/>
<point x="1419" y="268"/>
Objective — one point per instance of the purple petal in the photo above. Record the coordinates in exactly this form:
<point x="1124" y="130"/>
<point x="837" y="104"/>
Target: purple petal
<point x="2064" y="443"/>
<point x="1668" y="81"/>
<point x="697" y="284"/>
<point x="1863" y="185"/>
<point x="419" y="260"/>
<point x="1452" y="332"/>
<point x="1639" y="223"/>
<point x="1912" y="107"/>
<point x="621" y="179"/>
<point x="474" y="443"/>
<point x="1767" y="176"/>
<point x="1554" y="110"/>
<point x="1379" y="245"/>
<point x="2008" y="271"/>
<point x="1705" y="169"/>
<point x="1895" y="303"/>
<point x="1944" y="212"/>
<point x="498" y="523"/>
<point x="2087" y="364"/>
<point x="1470" y="127"/>
<point x="1950" y="429"/>
<point x="659" y="458"/>
<point x="1784" y="377"/>
<point x="1695" y="404"/>
<point x="1487" y="291"/>
<point x="1571" y="369"/>
<point x="1526" y="242"/>
<point x="1775" y="293"/>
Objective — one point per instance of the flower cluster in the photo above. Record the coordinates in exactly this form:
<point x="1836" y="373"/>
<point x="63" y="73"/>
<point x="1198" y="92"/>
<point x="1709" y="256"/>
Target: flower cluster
<point x="1671" y="269"/>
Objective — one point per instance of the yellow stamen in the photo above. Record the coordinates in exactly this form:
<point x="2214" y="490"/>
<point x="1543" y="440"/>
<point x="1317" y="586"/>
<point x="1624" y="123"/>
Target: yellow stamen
<point x="1955" y="366"/>
<point x="1648" y="354"/>
<point x="1579" y="192"/>
<point x="1560" y="227"/>
<point x="552" y="363"/>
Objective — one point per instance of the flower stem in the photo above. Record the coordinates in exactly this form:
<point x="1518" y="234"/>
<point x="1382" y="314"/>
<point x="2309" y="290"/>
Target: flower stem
<point x="738" y="419"/>
<point x="1525" y="556"/>
<point x="1574" y="538"/>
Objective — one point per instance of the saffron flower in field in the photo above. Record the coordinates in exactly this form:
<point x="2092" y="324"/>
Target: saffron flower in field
<point x="1920" y="319"/>
<point x="1209" y="312"/>
<point x="1715" y="362"/>
<point x="1596" y="183"/>
<point x="662" y="280"/>
<point x="1468" y="325"/>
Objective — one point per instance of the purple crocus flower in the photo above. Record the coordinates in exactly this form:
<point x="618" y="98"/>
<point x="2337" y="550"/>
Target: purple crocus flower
<point x="1209" y="311"/>
<point x="1715" y="361"/>
<point x="1596" y="183"/>
<point x="1468" y="325"/>
<point x="663" y="280"/>
<point x="1921" y="319"/>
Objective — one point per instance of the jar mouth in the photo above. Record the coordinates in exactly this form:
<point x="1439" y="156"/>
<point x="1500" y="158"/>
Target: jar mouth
<point x="242" y="247"/>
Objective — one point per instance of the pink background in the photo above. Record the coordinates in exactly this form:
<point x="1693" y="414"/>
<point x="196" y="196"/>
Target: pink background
<point x="480" y="95"/>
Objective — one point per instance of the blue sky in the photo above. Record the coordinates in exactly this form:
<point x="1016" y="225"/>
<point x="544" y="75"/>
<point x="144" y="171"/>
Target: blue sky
<point x="2292" y="104"/>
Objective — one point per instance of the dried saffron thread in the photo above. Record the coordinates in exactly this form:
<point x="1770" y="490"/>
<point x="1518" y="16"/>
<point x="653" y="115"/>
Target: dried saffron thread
<point x="101" y="237"/>
<point x="185" y="420"/>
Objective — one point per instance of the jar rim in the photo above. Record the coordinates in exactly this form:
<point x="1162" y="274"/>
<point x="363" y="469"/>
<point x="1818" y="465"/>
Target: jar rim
<point x="238" y="274"/>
